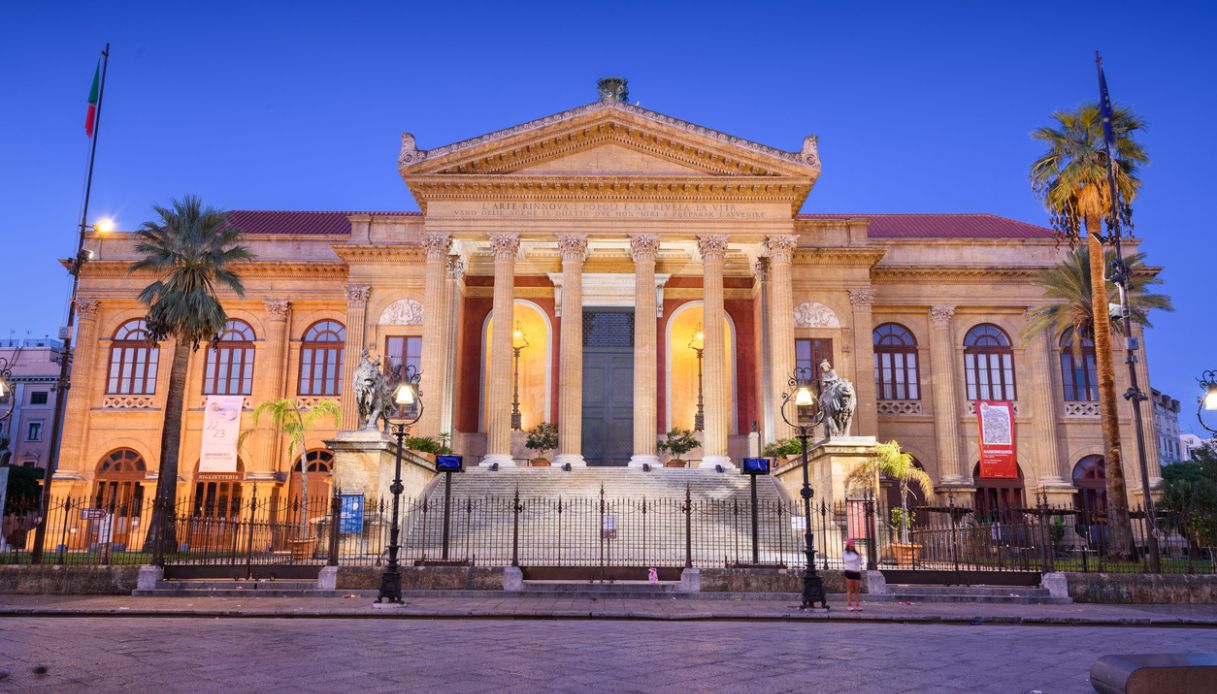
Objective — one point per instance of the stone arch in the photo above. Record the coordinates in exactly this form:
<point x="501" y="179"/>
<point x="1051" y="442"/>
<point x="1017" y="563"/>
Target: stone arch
<point x="732" y="357"/>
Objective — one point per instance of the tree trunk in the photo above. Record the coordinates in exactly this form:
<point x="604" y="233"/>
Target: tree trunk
<point x="303" y="492"/>
<point x="1119" y="527"/>
<point x="164" y="524"/>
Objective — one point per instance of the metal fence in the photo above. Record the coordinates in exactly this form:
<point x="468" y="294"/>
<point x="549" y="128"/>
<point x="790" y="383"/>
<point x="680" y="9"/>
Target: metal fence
<point x="265" y="536"/>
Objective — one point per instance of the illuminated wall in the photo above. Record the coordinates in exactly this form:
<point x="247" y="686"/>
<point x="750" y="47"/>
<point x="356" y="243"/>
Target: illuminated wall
<point x="534" y="363"/>
<point x="682" y="368"/>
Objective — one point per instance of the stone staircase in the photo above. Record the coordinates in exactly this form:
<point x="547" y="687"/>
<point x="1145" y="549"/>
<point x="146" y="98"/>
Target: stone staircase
<point x="601" y="516"/>
<point x="1010" y="595"/>
<point x="236" y="589"/>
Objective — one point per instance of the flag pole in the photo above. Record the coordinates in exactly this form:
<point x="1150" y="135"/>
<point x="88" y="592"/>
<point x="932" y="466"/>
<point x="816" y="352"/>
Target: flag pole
<point x="65" y="333"/>
<point x="1122" y="280"/>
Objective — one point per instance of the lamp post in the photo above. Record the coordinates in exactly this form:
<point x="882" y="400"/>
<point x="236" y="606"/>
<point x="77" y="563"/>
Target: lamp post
<point x="1208" y="382"/>
<point x="801" y="410"/>
<point x="408" y="410"/>
<point x="519" y="341"/>
<point x="697" y="343"/>
<point x="8" y="395"/>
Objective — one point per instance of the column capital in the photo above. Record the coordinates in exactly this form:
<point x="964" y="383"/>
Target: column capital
<point x="436" y="245"/>
<point x="456" y="267"/>
<point x="277" y="309"/>
<point x="760" y="269"/>
<point x="714" y="246"/>
<point x="505" y="245"/>
<point x="862" y="299"/>
<point x="572" y="247"/>
<point x="941" y="314"/>
<point x="86" y="309"/>
<point x="781" y="247"/>
<point x="644" y="247"/>
<point x="357" y="295"/>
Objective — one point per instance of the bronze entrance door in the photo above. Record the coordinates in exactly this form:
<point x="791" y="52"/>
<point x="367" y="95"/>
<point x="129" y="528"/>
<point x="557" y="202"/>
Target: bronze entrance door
<point x="608" y="386"/>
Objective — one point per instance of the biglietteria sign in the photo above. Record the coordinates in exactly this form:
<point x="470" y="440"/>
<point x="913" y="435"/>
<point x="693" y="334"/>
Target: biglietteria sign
<point x="221" y="427"/>
<point x="997" y="454"/>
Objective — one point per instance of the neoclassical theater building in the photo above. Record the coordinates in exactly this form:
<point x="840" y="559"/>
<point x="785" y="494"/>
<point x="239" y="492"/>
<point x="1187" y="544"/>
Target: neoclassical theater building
<point x="592" y="246"/>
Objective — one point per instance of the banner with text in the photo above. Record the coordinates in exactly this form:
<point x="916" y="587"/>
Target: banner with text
<point x="997" y="455"/>
<point x="221" y="427"/>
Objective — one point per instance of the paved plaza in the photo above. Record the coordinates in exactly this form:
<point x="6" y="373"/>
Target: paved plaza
<point x="197" y="654"/>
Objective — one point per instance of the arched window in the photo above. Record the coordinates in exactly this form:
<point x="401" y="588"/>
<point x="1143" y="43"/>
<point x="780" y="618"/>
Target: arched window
<point x="321" y="358"/>
<point x="230" y="361"/>
<point x="988" y="364"/>
<point x="1077" y="370"/>
<point x="896" y="374"/>
<point x="133" y="358"/>
<point x="1090" y="479"/>
<point x="998" y="499"/>
<point x="118" y="491"/>
<point x="320" y="469"/>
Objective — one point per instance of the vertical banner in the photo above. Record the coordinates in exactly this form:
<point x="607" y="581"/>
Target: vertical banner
<point x="997" y="455"/>
<point x="221" y="427"/>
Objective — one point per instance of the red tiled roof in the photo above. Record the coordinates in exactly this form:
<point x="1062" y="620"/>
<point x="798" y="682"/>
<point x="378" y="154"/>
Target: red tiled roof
<point x="295" y="222"/>
<point x="944" y="226"/>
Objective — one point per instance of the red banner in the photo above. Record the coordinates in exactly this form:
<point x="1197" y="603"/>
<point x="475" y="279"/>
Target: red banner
<point x="997" y="455"/>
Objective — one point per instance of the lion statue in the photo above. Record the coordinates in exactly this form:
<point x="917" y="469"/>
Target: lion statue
<point x="837" y="401"/>
<point x="372" y="393"/>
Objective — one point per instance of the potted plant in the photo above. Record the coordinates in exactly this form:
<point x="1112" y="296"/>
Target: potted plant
<point x="288" y="419"/>
<point x="677" y="443"/>
<point x="783" y="450"/>
<point x="542" y="438"/>
<point x="897" y="465"/>
<point x="428" y="446"/>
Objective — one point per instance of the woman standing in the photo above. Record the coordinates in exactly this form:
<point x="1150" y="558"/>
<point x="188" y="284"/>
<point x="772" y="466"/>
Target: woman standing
<point x="853" y="577"/>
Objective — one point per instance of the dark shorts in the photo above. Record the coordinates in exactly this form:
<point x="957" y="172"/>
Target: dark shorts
<point x="853" y="575"/>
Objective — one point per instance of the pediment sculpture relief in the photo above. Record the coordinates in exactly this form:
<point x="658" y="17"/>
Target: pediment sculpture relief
<point x="813" y="314"/>
<point x="402" y="312"/>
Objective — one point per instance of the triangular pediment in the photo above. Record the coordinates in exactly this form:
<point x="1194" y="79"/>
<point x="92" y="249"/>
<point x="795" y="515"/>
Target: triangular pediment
<point x="608" y="139"/>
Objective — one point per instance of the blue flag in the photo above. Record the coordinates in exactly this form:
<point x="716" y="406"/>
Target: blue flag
<point x="1105" y="109"/>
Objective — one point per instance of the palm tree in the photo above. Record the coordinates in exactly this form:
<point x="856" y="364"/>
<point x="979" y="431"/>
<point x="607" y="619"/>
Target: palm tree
<point x="1072" y="179"/>
<point x="289" y="420"/>
<point x="894" y="464"/>
<point x="191" y="249"/>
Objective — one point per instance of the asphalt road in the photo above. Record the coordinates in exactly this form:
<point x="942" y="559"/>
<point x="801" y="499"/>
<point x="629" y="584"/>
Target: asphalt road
<point x="196" y="655"/>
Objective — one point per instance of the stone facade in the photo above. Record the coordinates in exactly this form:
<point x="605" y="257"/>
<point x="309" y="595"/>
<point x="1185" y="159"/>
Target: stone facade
<point x="612" y="208"/>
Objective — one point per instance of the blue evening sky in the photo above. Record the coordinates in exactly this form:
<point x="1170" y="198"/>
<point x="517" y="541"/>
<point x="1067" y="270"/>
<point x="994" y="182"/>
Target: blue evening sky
<point x="920" y="107"/>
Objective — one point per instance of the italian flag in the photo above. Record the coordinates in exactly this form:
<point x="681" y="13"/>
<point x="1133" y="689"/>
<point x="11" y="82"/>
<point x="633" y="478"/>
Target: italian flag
<point x="91" y="116"/>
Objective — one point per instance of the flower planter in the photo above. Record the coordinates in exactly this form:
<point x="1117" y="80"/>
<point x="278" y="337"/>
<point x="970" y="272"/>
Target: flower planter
<point x="304" y="548"/>
<point x="540" y="462"/>
<point x="675" y="462"/>
<point x="906" y="553"/>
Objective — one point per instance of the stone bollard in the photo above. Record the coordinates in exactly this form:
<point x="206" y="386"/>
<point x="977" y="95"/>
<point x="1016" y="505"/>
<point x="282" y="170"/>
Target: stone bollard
<point x="149" y="577"/>
<point x="876" y="584"/>
<point x="513" y="579"/>
<point x="690" y="581"/>
<point x="328" y="578"/>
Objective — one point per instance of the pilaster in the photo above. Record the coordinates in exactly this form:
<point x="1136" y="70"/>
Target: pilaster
<point x="866" y="417"/>
<point x="1050" y="468"/>
<point x="452" y="291"/>
<point x="356" y="326"/>
<point x="573" y="250"/>
<point x="270" y="362"/>
<point x="946" y="401"/>
<point x="498" y="404"/>
<point x="644" y="248"/>
<point x="76" y="419"/>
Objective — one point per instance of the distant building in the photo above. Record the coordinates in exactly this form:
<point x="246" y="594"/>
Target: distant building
<point x="1166" y="425"/>
<point x="35" y="368"/>
<point x="1188" y="443"/>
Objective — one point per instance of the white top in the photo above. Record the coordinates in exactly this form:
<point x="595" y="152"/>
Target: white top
<point x="853" y="562"/>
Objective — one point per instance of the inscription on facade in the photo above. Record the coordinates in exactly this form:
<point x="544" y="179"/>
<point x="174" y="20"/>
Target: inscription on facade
<point x="614" y="210"/>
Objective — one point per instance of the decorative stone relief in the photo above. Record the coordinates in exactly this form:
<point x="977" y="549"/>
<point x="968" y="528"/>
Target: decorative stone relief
<point x="436" y="246"/>
<point x="712" y="246"/>
<point x="862" y="299"/>
<point x="310" y="401"/>
<point x="941" y="315"/>
<point x="644" y="247"/>
<point x="972" y="407"/>
<point x="410" y="153"/>
<point x="127" y="402"/>
<point x="898" y="407"/>
<point x="572" y="247"/>
<point x="245" y="403"/>
<point x="504" y="246"/>
<point x="277" y="309"/>
<point x="813" y="314"/>
<point x="781" y="248"/>
<point x="357" y="294"/>
<point x="1081" y="409"/>
<point x="811" y="151"/>
<point x="402" y="312"/>
<point x="86" y="309"/>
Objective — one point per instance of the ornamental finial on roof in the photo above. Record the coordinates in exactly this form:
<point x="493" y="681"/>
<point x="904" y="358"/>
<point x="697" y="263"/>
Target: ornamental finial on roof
<point x="614" y="89"/>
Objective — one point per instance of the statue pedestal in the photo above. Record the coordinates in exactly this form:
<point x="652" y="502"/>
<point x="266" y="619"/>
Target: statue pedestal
<point x="829" y="462"/>
<point x="363" y="464"/>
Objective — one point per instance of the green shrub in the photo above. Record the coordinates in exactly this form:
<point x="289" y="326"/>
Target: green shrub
<point x="783" y="448"/>
<point x="678" y="442"/>
<point x="543" y="437"/>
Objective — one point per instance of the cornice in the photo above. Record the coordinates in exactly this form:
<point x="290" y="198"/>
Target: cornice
<point x="840" y="255"/>
<point x="953" y="273"/>
<point x="378" y="253"/>
<point x="110" y="269"/>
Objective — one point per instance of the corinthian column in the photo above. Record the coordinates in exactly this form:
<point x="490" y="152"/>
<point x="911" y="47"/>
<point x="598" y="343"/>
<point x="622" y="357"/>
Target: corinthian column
<point x="714" y="445"/>
<point x="498" y="404"/>
<point x="946" y="401"/>
<point x="781" y="323"/>
<point x="435" y="331"/>
<point x="863" y="300"/>
<point x="356" y="325"/>
<point x="452" y="291"/>
<point x="644" y="248"/>
<point x="570" y="362"/>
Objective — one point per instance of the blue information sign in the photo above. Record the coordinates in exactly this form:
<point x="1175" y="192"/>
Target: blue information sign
<point x="350" y="518"/>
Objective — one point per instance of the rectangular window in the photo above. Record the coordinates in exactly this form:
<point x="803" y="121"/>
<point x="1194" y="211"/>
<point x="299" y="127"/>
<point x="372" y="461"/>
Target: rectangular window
<point x="38" y="397"/>
<point x="402" y="350"/>
<point x="34" y="433"/>
<point x="808" y="353"/>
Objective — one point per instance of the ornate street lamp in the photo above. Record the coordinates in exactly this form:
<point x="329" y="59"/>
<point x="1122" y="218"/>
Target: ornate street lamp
<point x="697" y="343"/>
<point x="519" y="342"/>
<point x="408" y="410"/>
<point x="1208" y="382"/>
<point x="8" y="396"/>
<point x="801" y="409"/>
